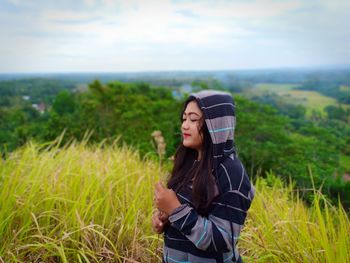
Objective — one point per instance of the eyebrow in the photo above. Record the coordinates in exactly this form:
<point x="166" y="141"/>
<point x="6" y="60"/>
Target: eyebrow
<point x="191" y="113"/>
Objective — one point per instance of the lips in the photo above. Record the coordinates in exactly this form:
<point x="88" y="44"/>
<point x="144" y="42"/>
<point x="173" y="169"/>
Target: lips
<point x="186" y="135"/>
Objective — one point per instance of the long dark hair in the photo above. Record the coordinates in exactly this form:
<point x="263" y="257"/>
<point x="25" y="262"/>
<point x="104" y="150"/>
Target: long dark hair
<point x="184" y="169"/>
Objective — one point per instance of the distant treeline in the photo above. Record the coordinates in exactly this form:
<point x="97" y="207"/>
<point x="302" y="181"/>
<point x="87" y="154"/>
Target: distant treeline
<point x="266" y="140"/>
<point x="234" y="80"/>
<point x="37" y="89"/>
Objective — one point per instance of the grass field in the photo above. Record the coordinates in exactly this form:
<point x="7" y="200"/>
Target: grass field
<point x="311" y="100"/>
<point x="94" y="204"/>
<point x="274" y="88"/>
<point x="345" y="88"/>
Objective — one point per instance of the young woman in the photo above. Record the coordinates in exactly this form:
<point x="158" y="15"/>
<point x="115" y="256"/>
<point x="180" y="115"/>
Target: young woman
<point x="203" y="208"/>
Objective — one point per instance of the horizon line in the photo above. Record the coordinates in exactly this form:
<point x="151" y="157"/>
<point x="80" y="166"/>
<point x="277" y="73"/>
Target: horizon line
<point x="312" y="67"/>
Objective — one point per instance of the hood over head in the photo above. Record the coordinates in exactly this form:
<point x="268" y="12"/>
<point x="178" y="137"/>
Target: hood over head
<point x="219" y="112"/>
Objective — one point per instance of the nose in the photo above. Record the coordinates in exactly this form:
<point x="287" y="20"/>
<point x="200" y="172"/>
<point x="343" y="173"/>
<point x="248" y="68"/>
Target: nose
<point x="185" y="125"/>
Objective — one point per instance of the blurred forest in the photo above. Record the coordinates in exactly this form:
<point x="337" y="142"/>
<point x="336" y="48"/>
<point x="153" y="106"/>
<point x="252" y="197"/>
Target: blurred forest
<point x="271" y="135"/>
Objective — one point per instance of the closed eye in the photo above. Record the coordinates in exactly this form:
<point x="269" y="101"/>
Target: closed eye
<point x="193" y="120"/>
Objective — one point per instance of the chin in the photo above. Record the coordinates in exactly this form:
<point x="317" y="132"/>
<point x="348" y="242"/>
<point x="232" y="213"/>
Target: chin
<point x="186" y="144"/>
<point x="189" y="145"/>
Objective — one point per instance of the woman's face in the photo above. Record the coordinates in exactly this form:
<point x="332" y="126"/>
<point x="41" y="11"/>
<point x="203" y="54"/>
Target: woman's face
<point x="191" y="124"/>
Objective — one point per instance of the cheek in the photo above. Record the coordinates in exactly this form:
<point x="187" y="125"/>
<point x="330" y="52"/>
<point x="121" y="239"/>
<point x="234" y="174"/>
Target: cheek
<point x="199" y="137"/>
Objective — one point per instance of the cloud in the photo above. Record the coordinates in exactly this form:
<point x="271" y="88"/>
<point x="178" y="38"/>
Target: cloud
<point x="129" y="35"/>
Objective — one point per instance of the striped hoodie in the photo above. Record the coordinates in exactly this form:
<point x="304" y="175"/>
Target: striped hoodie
<point x="192" y="238"/>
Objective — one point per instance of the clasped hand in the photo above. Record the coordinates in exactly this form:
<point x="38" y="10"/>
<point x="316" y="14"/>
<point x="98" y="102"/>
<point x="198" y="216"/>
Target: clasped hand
<point x="166" y="201"/>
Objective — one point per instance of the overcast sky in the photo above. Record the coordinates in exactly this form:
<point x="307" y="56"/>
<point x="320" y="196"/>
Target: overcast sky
<point x="151" y="35"/>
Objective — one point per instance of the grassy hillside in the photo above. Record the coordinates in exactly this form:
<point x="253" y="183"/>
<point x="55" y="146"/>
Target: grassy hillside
<point x="311" y="100"/>
<point x="345" y="88"/>
<point x="94" y="204"/>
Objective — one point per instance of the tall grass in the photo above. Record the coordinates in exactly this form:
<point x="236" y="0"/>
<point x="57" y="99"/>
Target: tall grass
<point x="76" y="204"/>
<point x="281" y="228"/>
<point x="94" y="204"/>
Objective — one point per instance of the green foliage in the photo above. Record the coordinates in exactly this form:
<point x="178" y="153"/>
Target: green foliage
<point x="338" y="113"/>
<point x="64" y="103"/>
<point x="37" y="89"/>
<point x="345" y="162"/>
<point x="132" y="111"/>
<point x="202" y="85"/>
<point x="261" y="135"/>
<point x="17" y="126"/>
<point x="294" y="111"/>
<point x="266" y="140"/>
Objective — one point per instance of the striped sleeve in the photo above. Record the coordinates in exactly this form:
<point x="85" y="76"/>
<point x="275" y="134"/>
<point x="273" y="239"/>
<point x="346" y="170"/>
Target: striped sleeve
<point x="220" y="230"/>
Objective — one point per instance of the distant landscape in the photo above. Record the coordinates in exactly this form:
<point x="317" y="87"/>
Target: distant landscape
<point x="313" y="101"/>
<point x="293" y="134"/>
<point x="311" y="96"/>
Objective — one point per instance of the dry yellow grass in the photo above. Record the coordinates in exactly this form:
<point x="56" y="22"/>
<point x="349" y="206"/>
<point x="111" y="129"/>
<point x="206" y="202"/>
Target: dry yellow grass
<point x="281" y="228"/>
<point x="94" y="204"/>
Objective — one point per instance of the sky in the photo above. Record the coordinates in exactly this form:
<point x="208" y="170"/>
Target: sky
<point x="38" y="36"/>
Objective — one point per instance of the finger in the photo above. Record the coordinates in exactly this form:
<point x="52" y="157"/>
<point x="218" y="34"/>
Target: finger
<point x="155" y="221"/>
<point x="164" y="217"/>
<point x="157" y="224"/>
<point x="159" y="231"/>
<point x="159" y="187"/>
<point x="161" y="214"/>
<point x="155" y="213"/>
